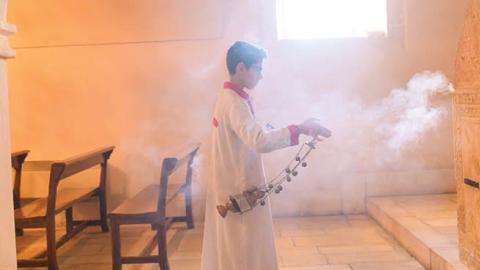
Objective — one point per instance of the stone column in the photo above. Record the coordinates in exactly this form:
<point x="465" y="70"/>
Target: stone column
<point x="7" y="230"/>
<point x="467" y="137"/>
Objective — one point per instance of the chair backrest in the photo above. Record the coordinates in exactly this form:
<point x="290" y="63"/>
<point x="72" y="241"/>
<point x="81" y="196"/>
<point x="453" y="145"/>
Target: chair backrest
<point x="62" y="169"/>
<point x="17" y="161"/>
<point x="169" y="166"/>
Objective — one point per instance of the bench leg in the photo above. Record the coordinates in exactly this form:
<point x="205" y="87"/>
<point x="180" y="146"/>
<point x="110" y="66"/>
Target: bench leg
<point x="69" y="219"/>
<point x="51" y="248"/>
<point x="116" y="246"/>
<point x="188" y="207"/>
<point x="18" y="232"/>
<point x="162" y="247"/>
<point x="103" y="211"/>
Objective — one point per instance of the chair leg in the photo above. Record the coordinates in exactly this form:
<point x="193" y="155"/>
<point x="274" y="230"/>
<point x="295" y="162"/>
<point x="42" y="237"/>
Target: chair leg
<point x="103" y="211"/>
<point x="188" y="207"/>
<point x="162" y="247"/>
<point x="116" y="246"/>
<point x="51" y="249"/>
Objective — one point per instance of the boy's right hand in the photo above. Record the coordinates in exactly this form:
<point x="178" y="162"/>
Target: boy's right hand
<point x="312" y="127"/>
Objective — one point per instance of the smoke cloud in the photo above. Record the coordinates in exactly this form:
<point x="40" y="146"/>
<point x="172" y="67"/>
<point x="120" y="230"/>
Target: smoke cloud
<point x="365" y="137"/>
<point x="407" y="113"/>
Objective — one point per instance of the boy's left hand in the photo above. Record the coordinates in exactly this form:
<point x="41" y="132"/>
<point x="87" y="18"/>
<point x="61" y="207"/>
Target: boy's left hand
<point x="313" y="128"/>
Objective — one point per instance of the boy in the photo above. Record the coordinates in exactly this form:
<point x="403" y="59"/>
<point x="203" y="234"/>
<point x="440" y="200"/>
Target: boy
<point x="242" y="242"/>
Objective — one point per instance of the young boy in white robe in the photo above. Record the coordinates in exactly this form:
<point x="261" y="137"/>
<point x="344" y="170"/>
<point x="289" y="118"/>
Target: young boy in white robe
<point x="246" y="241"/>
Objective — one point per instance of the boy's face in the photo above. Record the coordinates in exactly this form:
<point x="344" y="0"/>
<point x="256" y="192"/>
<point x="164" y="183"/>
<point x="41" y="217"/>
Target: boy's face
<point x="251" y="76"/>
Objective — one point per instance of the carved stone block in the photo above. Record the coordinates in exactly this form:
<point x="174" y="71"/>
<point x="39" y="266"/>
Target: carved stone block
<point x="467" y="137"/>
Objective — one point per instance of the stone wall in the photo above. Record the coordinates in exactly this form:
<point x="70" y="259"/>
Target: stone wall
<point x="7" y="232"/>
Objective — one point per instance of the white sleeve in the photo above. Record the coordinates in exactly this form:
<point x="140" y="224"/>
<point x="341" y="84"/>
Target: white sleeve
<point x="252" y="134"/>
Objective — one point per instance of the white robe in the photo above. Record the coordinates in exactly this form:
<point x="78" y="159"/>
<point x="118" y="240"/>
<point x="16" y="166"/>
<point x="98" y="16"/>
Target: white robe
<point x="239" y="242"/>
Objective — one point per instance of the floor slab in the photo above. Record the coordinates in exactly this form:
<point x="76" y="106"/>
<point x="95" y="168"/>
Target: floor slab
<point x="304" y="243"/>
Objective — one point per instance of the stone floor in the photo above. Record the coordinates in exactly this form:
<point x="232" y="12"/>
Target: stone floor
<point x="310" y="243"/>
<point x="425" y="225"/>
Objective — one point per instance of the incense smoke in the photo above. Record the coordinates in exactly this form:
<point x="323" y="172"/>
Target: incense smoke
<point x="408" y="112"/>
<point x="365" y="137"/>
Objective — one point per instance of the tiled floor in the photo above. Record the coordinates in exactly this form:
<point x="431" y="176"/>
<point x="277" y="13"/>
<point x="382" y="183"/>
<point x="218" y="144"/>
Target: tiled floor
<point x="310" y="243"/>
<point x="425" y="225"/>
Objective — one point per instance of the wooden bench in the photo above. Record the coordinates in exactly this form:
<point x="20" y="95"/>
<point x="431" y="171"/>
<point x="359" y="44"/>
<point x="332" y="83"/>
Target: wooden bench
<point x="149" y="207"/>
<point x="17" y="163"/>
<point x="41" y="212"/>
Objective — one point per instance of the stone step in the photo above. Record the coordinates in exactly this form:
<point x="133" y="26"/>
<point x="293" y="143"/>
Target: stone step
<point x="426" y="226"/>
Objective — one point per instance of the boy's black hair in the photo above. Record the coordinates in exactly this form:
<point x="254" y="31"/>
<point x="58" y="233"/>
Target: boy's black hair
<point x="243" y="52"/>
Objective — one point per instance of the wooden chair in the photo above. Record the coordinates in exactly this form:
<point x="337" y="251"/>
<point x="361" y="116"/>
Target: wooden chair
<point x="41" y="212"/>
<point x="149" y="207"/>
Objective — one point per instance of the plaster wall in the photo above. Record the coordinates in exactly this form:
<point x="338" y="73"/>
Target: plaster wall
<point x="143" y="75"/>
